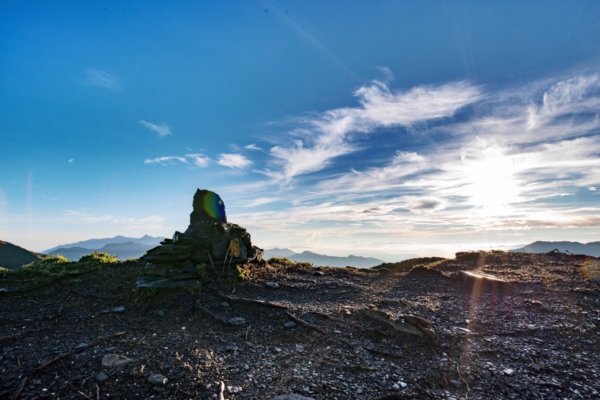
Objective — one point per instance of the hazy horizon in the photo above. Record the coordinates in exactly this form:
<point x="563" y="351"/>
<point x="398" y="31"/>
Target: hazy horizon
<point x="376" y="129"/>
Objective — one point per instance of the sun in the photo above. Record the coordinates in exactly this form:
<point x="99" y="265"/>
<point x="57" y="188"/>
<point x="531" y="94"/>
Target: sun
<point x="491" y="184"/>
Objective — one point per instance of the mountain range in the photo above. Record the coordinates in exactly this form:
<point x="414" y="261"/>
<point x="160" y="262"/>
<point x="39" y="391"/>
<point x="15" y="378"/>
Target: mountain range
<point x="122" y="247"/>
<point x="322" y="259"/>
<point x="589" y="249"/>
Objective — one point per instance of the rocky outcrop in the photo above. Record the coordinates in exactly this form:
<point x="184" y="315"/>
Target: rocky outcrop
<point x="209" y="242"/>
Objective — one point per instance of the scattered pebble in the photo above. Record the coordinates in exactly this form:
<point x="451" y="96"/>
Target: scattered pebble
<point x="508" y="371"/>
<point x="299" y="348"/>
<point x="236" y="321"/>
<point x="115" y="360"/>
<point x="234" y="389"/>
<point x="272" y="285"/>
<point x="292" y="396"/>
<point x="101" y="377"/>
<point x="290" y="324"/>
<point x="158" y="379"/>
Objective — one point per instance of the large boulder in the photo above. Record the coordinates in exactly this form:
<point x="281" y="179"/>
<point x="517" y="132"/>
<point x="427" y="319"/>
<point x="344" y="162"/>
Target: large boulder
<point x="208" y="242"/>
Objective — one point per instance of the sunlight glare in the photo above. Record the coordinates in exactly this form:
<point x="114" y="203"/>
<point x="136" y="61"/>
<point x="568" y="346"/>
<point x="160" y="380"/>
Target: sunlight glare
<point x="491" y="182"/>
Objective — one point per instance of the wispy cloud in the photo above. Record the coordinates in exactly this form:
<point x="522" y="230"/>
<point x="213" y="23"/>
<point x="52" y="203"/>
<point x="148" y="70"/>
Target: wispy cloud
<point x="161" y="129"/>
<point x="522" y="161"/>
<point x="260" y="201"/>
<point x="328" y="135"/>
<point x="191" y="159"/>
<point x="102" y="79"/>
<point x="234" y="160"/>
<point x="253" y="147"/>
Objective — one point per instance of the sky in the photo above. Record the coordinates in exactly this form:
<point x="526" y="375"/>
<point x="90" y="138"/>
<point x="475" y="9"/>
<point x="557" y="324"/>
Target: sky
<point x="381" y="128"/>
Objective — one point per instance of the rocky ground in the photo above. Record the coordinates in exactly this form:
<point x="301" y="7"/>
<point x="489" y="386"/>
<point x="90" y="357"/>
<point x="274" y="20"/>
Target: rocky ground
<point x="529" y="330"/>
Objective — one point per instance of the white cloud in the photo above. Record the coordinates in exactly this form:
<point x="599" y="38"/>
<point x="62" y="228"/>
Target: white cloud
<point x="253" y="147"/>
<point x="259" y="201"/>
<point x="103" y="79"/>
<point x="191" y="159"/>
<point x="327" y="135"/>
<point x="71" y="160"/>
<point x="199" y="160"/>
<point x="234" y="160"/>
<point x="166" y="160"/>
<point x="490" y="174"/>
<point x="161" y="129"/>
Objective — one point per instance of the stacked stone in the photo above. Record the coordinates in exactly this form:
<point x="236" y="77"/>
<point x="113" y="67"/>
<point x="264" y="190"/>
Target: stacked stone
<point x="208" y="242"/>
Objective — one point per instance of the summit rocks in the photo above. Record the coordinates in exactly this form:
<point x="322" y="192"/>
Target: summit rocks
<point x="209" y="240"/>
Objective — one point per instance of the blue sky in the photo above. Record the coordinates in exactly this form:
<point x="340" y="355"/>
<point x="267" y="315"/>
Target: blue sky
<point x="384" y="128"/>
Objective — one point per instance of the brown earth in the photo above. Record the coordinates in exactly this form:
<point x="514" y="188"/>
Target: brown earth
<point x="531" y="333"/>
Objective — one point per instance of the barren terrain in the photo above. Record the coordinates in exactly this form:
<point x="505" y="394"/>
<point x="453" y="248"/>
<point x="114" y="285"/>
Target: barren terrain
<point x="530" y="330"/>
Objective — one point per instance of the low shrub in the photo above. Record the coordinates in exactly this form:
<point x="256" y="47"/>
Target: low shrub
<point x="98" y="257"/>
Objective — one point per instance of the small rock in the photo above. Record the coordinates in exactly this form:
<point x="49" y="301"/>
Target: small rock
<point x="292" y="396"/>
<point x="118" y="309"/>
<point x="157" y="379"/>
<point x="231" y="347"/>
<point x="272" y="285"/>
<point x="290" y="324"/>
<point x="225" y="304"/>
<point x="299" y="348"/>
<point x="464" y="331"/>
<point x="114" y="360"/>
<point x="101" y="377"/>
<point x="318" y="273"/>
<point x="234" y="389"/>
<point x="456" y="383"/>
<point x="395" y="386"/>
<point x="236" y="321"/>
<point x="508" y="371"/>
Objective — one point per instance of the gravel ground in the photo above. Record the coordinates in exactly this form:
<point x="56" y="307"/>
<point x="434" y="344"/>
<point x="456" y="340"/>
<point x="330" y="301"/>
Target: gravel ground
<point x="322" y="333"/>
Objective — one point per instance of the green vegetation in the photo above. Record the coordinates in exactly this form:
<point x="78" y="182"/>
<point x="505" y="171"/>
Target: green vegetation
<point x="98" y="257"/>
<point x="56" y="266"/>
<point x="280" y="261"/>
<point x="407" y="265"/>
<point x="53" y="260"/>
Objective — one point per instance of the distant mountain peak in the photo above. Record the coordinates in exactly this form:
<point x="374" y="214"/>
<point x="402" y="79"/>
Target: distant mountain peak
<point x="541" y="246"/>
<point x="120" y="246"/>
<point x="324" y="260"/>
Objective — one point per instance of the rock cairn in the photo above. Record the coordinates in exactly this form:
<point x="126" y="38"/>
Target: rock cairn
<point x="209" y="243"/>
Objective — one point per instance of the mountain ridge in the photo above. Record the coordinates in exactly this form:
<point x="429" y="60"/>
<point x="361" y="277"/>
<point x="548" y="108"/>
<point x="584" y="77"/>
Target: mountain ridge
<point x="541" y="246"/>
<point x="323" y="260"/>
<point x="97" y="243"/>
<point x="14" y="257"/>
